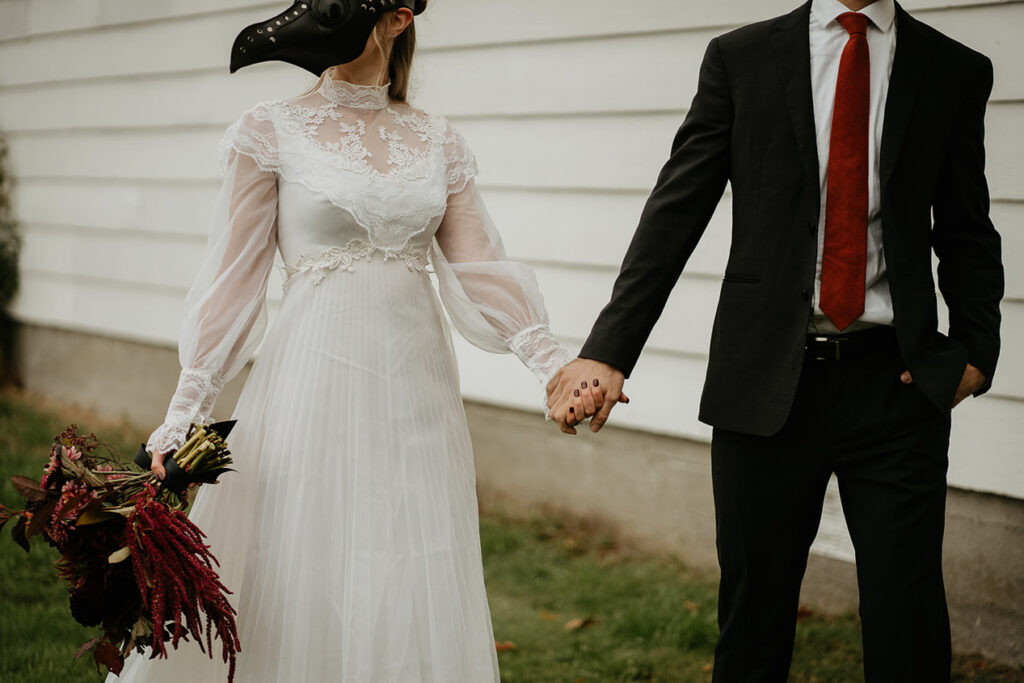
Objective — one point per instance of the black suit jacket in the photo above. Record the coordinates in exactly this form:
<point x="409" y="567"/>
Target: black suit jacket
<point x="751" y="123"/>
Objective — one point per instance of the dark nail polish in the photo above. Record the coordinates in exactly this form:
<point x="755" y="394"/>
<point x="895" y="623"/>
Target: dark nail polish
<point x="572" y="410"/>
<point x="576" y="393"/>
<point x="596" y="383"/>
<point x="583" y="385"/>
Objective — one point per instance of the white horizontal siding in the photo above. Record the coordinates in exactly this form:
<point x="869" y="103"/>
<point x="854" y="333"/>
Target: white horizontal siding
<point x="115" y="106"/>
<point x="540" y="20"/>
<point x="143" y="102"/>
<point x="985" y="444"/>
<point x="610" y="74"/>
<point x="592" y="228"/>
<point x="170" y="260"/>
<point x="106" y="306"/>
<point x="629" y="66"/>
<point x="130" y="204"/>
<point x="446" y="23"/>
<point x="30" y="19"/>
<point x="569" y="152"/>
<point x="665" y="393"/>
<point x="131" y="258"/>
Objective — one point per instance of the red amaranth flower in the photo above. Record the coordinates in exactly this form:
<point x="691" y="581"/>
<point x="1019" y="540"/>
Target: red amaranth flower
<point x="167" y="589"/>
<point x="175" y="573"/>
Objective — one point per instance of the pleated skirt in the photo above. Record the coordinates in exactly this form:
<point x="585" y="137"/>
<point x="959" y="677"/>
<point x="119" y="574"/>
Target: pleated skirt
<point x="350" y="533"/>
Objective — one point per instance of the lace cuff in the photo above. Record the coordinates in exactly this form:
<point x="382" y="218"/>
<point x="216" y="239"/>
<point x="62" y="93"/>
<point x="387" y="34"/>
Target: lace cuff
<point x="537" y="347"/>
<point x="193" y="401"/>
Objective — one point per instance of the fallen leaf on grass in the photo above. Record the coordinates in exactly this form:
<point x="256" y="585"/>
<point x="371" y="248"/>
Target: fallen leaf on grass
<point x="507" y="645"/>
<point x="544" y="614"/>
<point x="693" y="607"/>
<point x="577" y="623"/>
<point x="707" y="667"/>
<point x="803" y="612"/>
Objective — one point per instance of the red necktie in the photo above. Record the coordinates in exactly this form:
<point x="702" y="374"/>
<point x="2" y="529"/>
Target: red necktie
<point x="846" y="200"/>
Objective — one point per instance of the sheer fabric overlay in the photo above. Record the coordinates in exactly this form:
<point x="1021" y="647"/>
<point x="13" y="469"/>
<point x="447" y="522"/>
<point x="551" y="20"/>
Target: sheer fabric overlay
<point x="401" y="174"/>
<point x="349" y="532"/>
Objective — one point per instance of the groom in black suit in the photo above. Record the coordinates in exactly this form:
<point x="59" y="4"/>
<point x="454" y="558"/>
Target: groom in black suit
<point x="853" y="137"/>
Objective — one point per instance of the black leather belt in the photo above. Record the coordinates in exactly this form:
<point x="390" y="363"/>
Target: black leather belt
<point x="850" y="345"/>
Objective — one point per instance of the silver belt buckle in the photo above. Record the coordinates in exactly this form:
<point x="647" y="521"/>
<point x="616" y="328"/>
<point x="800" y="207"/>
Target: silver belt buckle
<point x="826" y="340"/>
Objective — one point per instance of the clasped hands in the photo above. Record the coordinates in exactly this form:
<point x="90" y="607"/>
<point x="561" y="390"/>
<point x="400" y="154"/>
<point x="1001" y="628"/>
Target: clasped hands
<point x="584" y="389"/>
<point x="587" y="388"/>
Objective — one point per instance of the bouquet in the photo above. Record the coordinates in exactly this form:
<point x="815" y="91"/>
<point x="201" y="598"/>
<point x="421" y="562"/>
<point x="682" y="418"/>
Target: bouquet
<point x="134" y="564"/>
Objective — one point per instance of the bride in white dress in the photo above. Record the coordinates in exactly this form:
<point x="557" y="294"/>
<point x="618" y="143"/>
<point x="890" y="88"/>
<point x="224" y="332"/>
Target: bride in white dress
<point x="349" y="533"/>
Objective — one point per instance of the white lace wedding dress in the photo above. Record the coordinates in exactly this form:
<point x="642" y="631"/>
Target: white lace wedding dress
<point x="349" y="533"/>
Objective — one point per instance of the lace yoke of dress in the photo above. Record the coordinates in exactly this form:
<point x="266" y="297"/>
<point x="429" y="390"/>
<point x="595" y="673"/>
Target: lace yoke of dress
<point x="389" y="165"/>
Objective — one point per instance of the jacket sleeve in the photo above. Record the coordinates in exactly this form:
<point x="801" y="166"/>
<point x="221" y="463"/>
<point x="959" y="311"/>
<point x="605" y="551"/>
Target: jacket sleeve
<point x="970" y="269"/>
<point x="674" y="218"/>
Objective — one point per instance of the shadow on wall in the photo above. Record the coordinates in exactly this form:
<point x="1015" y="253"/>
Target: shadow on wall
<point x="10" y="247"/>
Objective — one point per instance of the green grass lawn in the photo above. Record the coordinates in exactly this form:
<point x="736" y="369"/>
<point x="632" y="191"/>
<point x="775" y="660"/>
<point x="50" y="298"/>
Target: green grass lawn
<point x="636" y="617"/>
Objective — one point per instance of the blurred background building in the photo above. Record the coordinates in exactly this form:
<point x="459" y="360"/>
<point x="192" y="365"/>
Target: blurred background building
<point x="113" y="108"/>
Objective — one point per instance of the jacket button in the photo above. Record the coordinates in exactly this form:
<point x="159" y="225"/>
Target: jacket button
<point x="805" y="293"/>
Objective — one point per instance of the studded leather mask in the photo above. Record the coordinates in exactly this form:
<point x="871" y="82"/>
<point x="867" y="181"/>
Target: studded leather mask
<point x="312" y="34"/>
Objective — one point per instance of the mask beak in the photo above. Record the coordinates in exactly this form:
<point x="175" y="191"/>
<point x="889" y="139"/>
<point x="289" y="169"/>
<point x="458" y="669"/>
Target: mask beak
<point x="244" y="51"/>
<point x="336" y="33"/>
<point x="264" y="40"/>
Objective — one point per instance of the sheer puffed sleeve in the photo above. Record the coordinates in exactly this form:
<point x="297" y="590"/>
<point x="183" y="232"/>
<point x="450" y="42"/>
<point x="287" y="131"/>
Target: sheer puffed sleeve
<point x="225" y="309"/>
<point x="494" y="303"/>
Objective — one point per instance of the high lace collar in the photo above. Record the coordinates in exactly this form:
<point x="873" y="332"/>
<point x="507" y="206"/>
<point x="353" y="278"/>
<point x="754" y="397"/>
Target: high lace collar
<point x="354" y="95"/>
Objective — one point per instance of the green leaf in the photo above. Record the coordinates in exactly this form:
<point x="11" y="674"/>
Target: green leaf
<point x="95" y="517"/>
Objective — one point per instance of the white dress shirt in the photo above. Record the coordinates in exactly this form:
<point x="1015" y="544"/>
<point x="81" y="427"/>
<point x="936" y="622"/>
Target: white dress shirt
<point x="828" y="39"/>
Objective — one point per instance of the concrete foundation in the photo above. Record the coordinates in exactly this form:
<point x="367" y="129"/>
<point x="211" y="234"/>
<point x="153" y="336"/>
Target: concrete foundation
<point x="653" y="490"/>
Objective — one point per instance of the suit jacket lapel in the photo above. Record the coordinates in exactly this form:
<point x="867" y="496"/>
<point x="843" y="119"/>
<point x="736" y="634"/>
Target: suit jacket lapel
<point x="913" y="53"/>
<point x="791" y="45"/>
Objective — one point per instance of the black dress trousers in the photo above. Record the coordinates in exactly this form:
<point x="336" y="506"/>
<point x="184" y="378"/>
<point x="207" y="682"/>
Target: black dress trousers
<point x="888" y="446"/>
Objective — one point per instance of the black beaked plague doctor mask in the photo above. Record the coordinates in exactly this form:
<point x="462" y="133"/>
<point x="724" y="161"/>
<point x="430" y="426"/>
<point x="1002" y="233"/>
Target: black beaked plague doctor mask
<point x="313" y="34"/>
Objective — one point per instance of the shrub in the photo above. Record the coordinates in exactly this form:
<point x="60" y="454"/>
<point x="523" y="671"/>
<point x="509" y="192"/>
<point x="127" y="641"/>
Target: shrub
<point x="10" y="239"/>
<point x="10" y="246"/>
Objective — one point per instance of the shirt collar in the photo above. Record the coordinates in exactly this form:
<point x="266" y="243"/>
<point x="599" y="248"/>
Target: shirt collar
<point x="881" y="13"/>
